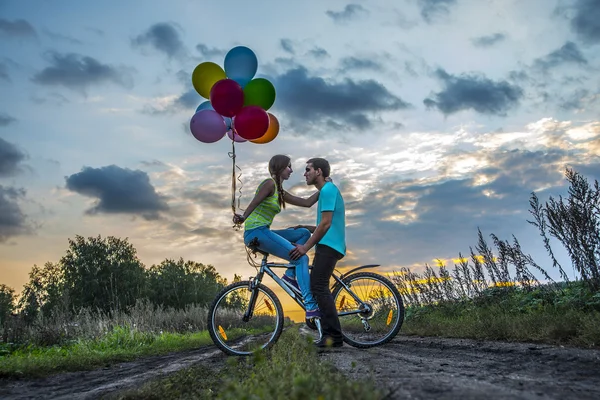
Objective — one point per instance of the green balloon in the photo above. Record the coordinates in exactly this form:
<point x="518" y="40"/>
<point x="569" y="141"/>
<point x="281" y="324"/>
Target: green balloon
<point x="259" y="92"/>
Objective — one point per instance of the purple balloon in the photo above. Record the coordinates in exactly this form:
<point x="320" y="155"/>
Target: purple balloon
<point x="235" y="137"/>
<point x="208" y="126"/>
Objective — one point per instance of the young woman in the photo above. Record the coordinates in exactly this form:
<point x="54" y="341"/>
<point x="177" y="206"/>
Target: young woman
<point x="268" y="201"/>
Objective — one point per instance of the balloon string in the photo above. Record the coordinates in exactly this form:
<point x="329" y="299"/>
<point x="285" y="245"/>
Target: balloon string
<point x="232" y="155"/>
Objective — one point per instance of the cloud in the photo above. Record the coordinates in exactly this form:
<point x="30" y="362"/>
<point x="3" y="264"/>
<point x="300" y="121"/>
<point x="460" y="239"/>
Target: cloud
<point x="469" y="91"/>
<point x="287" y="46"/>
<point x="10" y="157"/>
<point x="207" y="198"/>
<point x="4" y="72"/>
<point x="399" y="19"/>
<point x="318" y="53"/>
<point x="349" y="63"/>
<point x="118" y="190"/>
<point x="77" y="72"/>
<point x="51" y="98"/>
<point x="311" y="99"/>
<point x="212" y="233"/>
<point x="163" y="37"/>
<point x="569" y="53"/>
<point x="579" y="100"/>
<point x="210" y="52"/>
<point x="6" y="119"/>
<point x="417" y="214"/>
<point x="189" y="99"/>
<point x="174" y="104"/>
<point x="13" y="221"/>
<point x="17" y="28"/>
<point x="153" y="163"/>
<point x="62" y="38"/>
<point x="586" y="22"/>
<point x="489" y="40"/>
<point x="430" y="9"/>
<point x="349" y="12"/>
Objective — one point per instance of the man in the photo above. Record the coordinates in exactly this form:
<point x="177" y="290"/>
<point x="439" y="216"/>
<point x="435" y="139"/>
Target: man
<point x="329" y="236"/>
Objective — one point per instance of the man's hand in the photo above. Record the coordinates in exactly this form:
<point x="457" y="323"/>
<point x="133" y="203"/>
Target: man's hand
<point x="298" y="252"/>
<point x="238" y="219"/>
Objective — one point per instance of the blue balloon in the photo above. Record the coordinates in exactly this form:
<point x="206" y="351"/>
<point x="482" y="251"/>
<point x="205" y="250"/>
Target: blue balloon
<point x="241" y="65"/>
<point x="227" y="122"/>
<point x="205" y="106"/>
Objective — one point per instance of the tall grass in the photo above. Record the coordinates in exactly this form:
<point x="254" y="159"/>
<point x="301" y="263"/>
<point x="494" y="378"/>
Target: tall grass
<point x="120" y="344"/>
<point x="472" y="276"/>
<point x="63" y="326"/>
<point x="499" y="297"/>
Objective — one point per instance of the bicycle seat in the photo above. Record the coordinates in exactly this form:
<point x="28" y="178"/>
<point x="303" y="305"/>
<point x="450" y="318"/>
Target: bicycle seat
<point x="253" y="245"/>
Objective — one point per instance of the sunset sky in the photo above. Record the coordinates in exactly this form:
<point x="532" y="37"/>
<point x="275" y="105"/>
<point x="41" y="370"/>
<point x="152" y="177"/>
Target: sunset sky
<point x="438" y="117"/>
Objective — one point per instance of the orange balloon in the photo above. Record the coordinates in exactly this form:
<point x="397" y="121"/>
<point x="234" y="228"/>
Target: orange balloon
<point x="271" y="133"/>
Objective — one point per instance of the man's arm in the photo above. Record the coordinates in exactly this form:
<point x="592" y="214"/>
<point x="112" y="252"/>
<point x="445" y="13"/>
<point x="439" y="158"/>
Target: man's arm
<point x="319" y="232"/>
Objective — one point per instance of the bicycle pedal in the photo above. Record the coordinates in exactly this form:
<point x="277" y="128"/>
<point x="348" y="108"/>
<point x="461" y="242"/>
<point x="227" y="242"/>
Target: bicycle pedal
<point x="310" y="322"/>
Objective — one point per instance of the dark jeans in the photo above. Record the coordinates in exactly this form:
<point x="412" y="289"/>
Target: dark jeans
<point x="323" y="265"/>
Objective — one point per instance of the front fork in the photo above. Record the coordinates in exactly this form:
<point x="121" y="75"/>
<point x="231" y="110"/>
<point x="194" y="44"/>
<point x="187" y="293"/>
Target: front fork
<point x="253" y="287"/>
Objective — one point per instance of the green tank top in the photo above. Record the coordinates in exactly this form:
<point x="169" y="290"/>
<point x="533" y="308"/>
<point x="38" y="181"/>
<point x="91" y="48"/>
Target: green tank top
<point x="265" y="212"/>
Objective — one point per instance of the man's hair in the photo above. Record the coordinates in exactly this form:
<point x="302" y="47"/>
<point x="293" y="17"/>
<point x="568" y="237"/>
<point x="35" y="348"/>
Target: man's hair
<point x="322" y="164"/>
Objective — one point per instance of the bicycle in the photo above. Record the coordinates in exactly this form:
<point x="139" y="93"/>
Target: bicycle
<point x="247" y="315"/>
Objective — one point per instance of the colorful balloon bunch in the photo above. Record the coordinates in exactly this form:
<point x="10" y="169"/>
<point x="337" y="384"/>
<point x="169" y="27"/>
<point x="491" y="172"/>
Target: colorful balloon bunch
<point x="237" y="103"/>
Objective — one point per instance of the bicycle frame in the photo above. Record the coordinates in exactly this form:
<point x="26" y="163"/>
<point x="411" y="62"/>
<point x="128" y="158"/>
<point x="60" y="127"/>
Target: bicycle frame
<point x="266" y="268"/>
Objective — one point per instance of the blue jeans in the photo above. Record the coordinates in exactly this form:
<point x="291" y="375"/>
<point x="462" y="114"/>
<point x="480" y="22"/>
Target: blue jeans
<point x="279" y="244"/>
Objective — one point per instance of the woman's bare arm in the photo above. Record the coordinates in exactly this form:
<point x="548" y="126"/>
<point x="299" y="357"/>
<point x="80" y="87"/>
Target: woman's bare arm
<point x="266" y="190"/>
<point x="299" y="201"/>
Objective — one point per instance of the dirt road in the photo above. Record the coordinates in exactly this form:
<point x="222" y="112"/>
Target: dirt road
<point x="435" y="368"/>
<point x="97" y="383"/>
<point x="414" y="368"/>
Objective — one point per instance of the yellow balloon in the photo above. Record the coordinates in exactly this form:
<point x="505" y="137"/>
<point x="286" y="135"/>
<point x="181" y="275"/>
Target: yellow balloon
<point x="205" y="75"/>
<point x="271" y="133"/>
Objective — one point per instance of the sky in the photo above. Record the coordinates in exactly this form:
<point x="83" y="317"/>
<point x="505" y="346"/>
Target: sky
<point x="439" y="117"/>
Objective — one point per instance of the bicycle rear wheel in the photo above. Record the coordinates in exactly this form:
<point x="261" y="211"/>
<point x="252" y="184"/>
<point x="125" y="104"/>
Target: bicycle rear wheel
<point x="226" y="324"/>
<point x="377" y="317"/>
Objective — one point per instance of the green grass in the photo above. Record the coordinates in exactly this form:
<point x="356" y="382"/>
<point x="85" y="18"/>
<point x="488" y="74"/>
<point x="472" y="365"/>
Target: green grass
<point x="291" y="371"/>
<point x="122" y="344"/>
<point x="567" y="316"/>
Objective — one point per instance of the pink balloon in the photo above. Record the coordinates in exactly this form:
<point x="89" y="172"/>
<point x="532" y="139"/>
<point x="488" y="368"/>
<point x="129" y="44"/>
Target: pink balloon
<point x="227" y="97"/>
<point x="208" y="126"/>
<point x="235" y="137"/>
<point x="251" y="122"/>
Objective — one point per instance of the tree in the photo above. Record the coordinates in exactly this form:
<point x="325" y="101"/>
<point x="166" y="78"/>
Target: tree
<point x="7" y="302"/>
<point x="43" y="292"/>
<point x="179" y="283"/>
<point x="102" y="274"/>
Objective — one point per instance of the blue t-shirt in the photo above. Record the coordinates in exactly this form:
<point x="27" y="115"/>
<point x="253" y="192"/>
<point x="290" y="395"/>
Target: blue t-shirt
<point x="330" y="199"/>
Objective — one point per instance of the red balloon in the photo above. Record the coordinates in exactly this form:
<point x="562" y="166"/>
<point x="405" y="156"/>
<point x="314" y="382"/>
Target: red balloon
<point x="227" y="97"/>
<point x="251" y="122"/>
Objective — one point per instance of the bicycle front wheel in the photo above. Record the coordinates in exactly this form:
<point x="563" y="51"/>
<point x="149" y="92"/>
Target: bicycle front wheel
<point x="372" y="313"/>
<point x="239" y="336"/>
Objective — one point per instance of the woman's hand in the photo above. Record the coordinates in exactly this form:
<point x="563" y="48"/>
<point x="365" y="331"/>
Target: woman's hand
<point x="238" y="219"/>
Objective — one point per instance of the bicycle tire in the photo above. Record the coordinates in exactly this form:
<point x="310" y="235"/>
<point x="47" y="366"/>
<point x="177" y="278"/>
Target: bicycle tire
<point x="399" y="319"/>
<point x="216" y="331"/>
